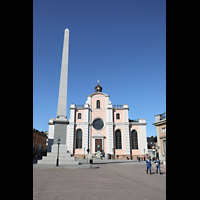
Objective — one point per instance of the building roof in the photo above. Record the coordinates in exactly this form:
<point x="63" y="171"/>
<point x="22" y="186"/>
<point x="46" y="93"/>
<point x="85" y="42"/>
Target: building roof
<point x="98" y="93"/>
<point x="40" y="132"/>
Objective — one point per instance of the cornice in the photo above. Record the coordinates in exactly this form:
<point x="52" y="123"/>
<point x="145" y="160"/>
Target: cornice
<point x="98" y="93"/>
<point x="160" y="122"/>
<point x="137" y="123"/>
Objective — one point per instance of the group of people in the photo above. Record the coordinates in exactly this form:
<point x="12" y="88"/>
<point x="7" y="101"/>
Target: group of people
<point x="157" y="163"/>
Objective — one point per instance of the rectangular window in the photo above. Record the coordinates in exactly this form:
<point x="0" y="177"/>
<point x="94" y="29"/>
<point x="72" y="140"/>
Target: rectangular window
<point x="117" y="116"/>
<point x="118" y="140"/>
<point x="164" y="130"/>
<point x="164" y="147"/>
<point x="134" y="139"/>
<point x="79" y="139"/>
<point x="98" y="104"/>
<point x="79" y="115"/>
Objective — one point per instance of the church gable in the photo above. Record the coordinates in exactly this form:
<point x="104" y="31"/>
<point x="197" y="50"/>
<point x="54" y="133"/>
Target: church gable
<point x="98" y="101"/>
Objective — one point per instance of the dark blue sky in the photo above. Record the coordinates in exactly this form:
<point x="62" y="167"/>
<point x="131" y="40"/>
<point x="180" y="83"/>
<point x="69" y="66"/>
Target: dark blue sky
<point x="121" y="43"/>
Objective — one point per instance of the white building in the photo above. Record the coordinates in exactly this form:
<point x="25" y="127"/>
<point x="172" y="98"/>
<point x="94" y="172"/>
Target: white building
<point x="98" y="122"/>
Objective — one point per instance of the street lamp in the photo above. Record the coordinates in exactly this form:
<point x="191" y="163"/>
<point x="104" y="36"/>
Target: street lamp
<point x="58" y="152"/>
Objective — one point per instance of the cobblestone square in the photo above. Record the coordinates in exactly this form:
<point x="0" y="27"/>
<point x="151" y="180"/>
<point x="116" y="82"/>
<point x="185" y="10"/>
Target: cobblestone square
<point x="117" y="179"/>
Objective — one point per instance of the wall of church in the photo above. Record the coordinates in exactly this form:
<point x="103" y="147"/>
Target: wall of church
<point x="122" y="126"/>
<point x="98" y="113"/>
<point x="79" y="151"/>
<point x="121" y="151"/>
<point x="136" y="151"/>
<point x="81" y="111"/>
<point x="121" y="115"/>
<point x="100" y="97"/>
<point x="102" y="132"/>
<point x="79" y="120"/>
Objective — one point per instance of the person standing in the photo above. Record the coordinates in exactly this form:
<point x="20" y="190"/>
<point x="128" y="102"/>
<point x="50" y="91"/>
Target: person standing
<point x="148" y="164"/>
<point x="157" y="165"/>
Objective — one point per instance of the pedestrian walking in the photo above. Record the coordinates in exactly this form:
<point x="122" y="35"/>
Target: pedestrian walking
<point x="148" y="164"/>
<point x="139" y="159"/>
<point x="157" y="165"/>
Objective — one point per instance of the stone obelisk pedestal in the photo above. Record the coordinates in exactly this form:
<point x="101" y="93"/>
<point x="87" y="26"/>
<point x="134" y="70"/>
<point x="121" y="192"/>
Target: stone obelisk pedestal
<point x="60" y="122"/>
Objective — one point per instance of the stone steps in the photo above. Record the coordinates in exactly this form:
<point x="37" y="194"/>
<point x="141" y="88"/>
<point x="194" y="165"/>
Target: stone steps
<point x="64" y="157"/>
<point x="60" y="158"/>
<point x="61" y="162"/>
<point x="60" y="154"/>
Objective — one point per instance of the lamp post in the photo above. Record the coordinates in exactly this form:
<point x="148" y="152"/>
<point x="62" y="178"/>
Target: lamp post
<point x="88" y="150"/>
<point x="58" y="152"/>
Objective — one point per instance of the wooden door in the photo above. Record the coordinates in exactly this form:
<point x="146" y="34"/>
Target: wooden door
<point x="98" y="142"/>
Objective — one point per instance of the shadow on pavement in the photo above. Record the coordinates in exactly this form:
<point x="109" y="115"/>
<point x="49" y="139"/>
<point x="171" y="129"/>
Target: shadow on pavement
<point x="113" y="162"/>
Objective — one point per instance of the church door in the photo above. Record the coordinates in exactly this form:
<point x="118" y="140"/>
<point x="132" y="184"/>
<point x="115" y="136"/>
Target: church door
<point x="98" y="142"/>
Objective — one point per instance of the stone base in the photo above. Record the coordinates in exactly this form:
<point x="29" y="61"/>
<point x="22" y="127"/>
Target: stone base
<point x="64" y="157"/>
<point x="98" y="154"/>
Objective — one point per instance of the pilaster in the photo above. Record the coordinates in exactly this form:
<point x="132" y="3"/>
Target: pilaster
<point x="71" y="137"/>
<point x="143" y="136"/>
<point x="109" y="136"/>
<point x="86" y="126"/>
<point x="71" y="128"/>
<point x="127" y="138"/>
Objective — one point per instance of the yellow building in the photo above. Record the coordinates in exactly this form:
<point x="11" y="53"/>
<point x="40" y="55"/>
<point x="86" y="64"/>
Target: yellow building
<point x="160" y="123"/>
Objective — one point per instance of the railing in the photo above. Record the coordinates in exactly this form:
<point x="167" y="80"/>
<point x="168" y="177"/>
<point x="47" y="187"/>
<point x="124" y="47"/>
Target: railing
<point x="133" y="120"/>
<point x="117" y="106"/>
<point x="79" y="106"/>
<point x="162" y="116"/>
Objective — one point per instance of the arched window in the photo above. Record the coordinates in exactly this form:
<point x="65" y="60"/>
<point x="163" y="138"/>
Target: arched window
<point x="98" y="104"/>
<point x="79" y="139"/>
<point x="118" y="140"/>
<point x="117" y="116"/>
<point x="134" y="139"/>
<point x="79" y="115"/>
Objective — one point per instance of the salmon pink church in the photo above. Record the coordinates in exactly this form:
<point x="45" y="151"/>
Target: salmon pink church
<point x="96" y="128"/>
<point x="101" y="126"/>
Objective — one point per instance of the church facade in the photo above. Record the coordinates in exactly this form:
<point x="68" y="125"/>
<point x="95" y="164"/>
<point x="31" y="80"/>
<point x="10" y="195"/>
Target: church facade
<point x="98" y="126"/>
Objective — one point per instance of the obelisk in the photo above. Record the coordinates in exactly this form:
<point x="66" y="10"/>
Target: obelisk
<point x="61" y="121"/>
<point x="62" y="98"/>
<point x="58" y="125"/>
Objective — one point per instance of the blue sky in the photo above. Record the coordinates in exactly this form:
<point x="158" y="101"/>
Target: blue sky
<point x="121" y="43"/>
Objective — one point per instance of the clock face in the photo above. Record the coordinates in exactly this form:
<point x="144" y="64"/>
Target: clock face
<point x="98" y="124"/>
